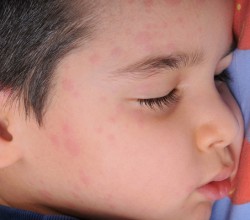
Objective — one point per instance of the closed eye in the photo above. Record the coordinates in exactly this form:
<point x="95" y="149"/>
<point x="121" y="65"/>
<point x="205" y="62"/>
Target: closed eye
<point x="223" y="77"/>
<point x="161" y="102"/>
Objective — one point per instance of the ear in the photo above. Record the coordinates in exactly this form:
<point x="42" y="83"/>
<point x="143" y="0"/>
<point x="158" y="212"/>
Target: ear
<point x="9" y="153"/>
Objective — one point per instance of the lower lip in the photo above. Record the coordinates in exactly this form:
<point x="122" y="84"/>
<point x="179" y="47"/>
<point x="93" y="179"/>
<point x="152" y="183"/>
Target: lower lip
<point x="216" y="190"/>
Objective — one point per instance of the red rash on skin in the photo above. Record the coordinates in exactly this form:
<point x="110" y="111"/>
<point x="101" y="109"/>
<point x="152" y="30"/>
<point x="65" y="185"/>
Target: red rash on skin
<point x="47" y="195"/>
<point x="69" y="86"/>
<point x="112" y="119"/>
<point x="199" y="2"/>
<point x="116" y="52"/>
<point x="99" y="130"/>
<point x="144" y="39"/>
<point x="111" y="137"/>
<point x="83" y="178"/>
<point x="150" y="26"/>
<point x="66" y="140"/>
<point x="170" y="47"/>
<point x="148" y="3"/>
<point x="131" y="1"/>
<point x="173" y="2"/>
<point x="76" y="195"/>
<point x="55" y="140"/>
<point x="69" y="142"/>
<point x="94" y="59"/>
<point x="109" y="199"/>
<point x="165" y="25"/>
<point x="180" y="20"/>
<point x="200" y="29"/>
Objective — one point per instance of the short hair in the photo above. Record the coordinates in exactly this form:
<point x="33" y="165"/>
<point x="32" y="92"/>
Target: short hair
<point x="34" y="36"/>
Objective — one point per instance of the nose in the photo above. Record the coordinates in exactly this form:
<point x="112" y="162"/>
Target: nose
<point x="217" y="127"/>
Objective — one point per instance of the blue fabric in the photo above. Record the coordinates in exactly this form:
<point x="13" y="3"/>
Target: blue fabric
<point x="7" y="213"/>
<point x="240" y="87"/>
<point x="225" y="210"/>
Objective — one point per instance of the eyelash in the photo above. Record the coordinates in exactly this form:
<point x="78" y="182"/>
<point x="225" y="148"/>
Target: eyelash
<point x="223" y="77"/>
<point x="173" y="97"/>
<point x="160" y="102"/>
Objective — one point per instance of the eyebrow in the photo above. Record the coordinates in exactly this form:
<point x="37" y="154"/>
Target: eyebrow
<point x="150" y="66"/>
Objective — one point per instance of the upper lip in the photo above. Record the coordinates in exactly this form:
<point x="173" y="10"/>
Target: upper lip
<point x="225" y="173"/>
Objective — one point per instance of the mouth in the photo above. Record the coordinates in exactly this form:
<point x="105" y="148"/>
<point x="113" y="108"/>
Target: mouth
<point x="219" y="187"/>
<point x="216" y="190"/>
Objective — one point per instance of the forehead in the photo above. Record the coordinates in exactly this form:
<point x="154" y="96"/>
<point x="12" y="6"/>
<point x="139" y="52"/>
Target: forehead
<point x="153" y="27"/>
<point x="131" y="31"/>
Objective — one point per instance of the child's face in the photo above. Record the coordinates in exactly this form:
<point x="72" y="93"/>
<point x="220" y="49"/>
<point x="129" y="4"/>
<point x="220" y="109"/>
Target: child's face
<point x="102" y="150"/>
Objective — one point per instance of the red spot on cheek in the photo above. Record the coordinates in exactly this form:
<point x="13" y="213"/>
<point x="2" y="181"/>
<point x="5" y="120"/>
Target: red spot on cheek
<point x="109" y="199"/>
<point x="112" y="119"/>
<point x="149" y="26"/>
<point x="76" y="195"/>
<point x="111" y="137"/>
<point x="99" y="130"/>
<point x="46" y="194"/>
<point x="180" y="20"/>
<point x="200" y="29"/>
<point x="55" y="140"/>
<point x="84" y="178"/>
<point x="95" y="59"/>
<point x="69" y="141"/>
<point x="70" y="205"/>
<point x="69" y="86"/>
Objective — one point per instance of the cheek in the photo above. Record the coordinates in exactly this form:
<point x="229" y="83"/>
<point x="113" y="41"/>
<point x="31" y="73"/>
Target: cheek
<point x="66" y="141"/>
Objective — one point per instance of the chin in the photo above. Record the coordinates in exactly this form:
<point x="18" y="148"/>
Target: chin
<point x="201" y="212"/>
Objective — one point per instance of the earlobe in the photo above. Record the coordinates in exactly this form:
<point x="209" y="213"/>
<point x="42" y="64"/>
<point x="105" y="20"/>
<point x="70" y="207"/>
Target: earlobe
<point x="9" y="153"/>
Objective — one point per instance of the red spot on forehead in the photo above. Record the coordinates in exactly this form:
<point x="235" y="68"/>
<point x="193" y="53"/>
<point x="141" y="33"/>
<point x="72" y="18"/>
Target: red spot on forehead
<point x="116" y="52"/>
<point x="170" y="47"/>
<point x="148" y="3"/>
<point x="131" y="1"/>
<point x="143" y="37"/>
<point x="199" y="2"/>
<point x="149" y="26"/>
<point x="173" y="2"/>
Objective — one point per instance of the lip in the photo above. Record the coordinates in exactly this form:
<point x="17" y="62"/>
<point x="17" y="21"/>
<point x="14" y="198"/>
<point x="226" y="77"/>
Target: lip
<point x="216" y="189"/>
<point x="219" y="187"/>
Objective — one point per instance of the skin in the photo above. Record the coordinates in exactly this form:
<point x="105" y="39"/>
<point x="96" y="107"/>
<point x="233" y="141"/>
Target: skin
<point x="101" y="151"/>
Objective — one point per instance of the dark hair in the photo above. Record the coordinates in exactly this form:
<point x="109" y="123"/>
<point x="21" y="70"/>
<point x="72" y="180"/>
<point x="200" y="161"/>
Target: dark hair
<point x="34" y="36"/>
